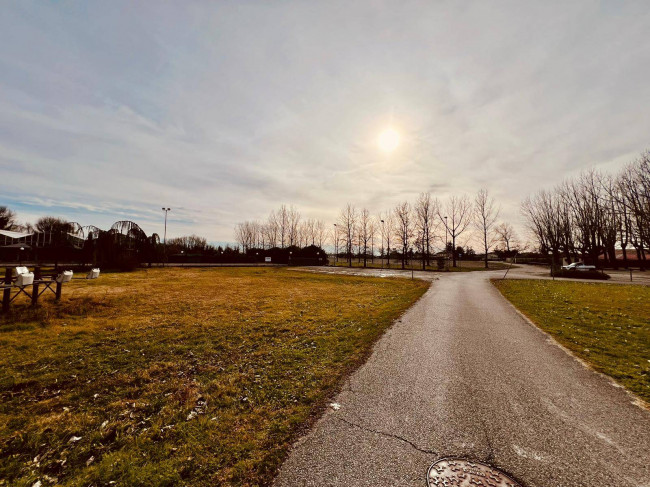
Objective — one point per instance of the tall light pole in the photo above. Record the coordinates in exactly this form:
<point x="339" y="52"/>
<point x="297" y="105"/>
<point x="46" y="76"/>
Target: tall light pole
<point x="336" y="245"/>
<point x="383" y="230"/>
<point x="446" y="244"/>
<point x="166" y="210"/>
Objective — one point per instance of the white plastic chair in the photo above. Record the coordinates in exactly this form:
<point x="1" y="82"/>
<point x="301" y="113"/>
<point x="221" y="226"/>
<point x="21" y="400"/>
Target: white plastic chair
<point x="23" y="276"/>
<point x="93" y="274"/>
<point x="65" y="276"/>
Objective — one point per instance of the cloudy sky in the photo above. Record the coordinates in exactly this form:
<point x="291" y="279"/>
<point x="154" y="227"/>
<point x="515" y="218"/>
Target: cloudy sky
<point x="225" y="110"/>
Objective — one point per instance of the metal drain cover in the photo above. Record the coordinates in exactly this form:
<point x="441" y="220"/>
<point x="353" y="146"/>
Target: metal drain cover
<point x="457" y="472"/>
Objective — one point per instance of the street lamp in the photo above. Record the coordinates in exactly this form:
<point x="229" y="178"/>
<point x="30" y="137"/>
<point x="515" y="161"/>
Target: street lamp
<point x="446" y="244"/>
<point x="166" y="210"/>
<point x="383" y="230"/>
<point x="290" y="252"/>
<point x="336" y="245"/>
<point x="20" y="255"/>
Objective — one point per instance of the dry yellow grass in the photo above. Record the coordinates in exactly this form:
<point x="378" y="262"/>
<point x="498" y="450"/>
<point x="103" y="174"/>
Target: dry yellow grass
<point x="180" y="376"/>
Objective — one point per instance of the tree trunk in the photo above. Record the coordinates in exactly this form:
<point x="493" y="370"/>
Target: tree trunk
<point x="453" y="251"/>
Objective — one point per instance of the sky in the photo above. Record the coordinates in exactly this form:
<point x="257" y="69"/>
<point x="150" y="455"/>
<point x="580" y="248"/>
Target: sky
<point x="224" y="110"/>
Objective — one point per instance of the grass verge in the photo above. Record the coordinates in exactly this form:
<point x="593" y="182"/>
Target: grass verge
<point x="180" y="376"/>
<point x="607" y="325"/>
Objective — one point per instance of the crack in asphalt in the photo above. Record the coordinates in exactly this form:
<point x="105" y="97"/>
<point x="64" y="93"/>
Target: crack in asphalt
<point x="488" y="440"/>
<point x="388" y="435"/>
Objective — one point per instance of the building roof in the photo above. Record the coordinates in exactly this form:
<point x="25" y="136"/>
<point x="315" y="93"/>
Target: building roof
<point x="10" y="234"/>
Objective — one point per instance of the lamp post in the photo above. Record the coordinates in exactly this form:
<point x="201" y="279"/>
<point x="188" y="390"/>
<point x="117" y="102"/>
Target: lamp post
<point x="336" y="245"/>
<point x="383" y="230"/>
<point x="446" y="245"/>
<point x="290" y="252"/>
<point x="166" y="210"/>
<point x="20" y="255"/>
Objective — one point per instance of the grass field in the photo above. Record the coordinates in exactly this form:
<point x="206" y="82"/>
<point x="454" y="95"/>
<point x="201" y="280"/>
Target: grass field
<point x="180" y="376"/>
<point x="607" y="325"/>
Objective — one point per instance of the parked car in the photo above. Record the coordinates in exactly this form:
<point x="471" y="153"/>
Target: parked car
<point x="578" y="266"/>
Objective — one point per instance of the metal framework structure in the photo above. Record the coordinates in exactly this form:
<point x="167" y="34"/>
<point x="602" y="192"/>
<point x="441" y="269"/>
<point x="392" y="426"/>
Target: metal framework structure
<point x="91" y="232"/>
<point x="128" y="234"/>
<point x="37" y="239"/>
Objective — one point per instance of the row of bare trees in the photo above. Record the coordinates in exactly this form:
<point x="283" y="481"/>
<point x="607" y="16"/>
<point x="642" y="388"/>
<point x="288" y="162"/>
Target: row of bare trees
<point x="421" y="228"/>
<point x="191" y="243"/>
<point x="594" y="214"/>
<point x="283" y="228"/>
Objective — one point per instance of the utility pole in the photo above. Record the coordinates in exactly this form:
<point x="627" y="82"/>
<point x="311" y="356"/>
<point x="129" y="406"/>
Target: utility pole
<point x="336" y="245"/>
<point x="383" y="231"/>
<point x="446" y="245"/>
<point x="166" y="210"/>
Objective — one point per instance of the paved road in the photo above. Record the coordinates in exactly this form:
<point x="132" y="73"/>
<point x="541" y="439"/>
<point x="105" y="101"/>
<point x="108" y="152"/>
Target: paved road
<point x="463" y="374"/>
<point x="620" y="276"/>
<point x="519" y="271"/>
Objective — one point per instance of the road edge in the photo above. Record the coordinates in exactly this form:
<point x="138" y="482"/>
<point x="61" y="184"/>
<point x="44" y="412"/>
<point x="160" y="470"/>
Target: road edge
<point x="635" y="400"/>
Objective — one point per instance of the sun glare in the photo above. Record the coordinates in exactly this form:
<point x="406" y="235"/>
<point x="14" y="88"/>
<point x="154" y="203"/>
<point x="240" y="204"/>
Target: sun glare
<point x="388" y="140"/>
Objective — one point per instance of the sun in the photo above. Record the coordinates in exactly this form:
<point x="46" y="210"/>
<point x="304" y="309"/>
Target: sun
<point x="388" y="140"/>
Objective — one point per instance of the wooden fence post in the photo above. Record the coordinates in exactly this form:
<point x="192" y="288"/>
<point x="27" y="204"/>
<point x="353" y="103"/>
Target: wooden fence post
<point x="35" y="293"/>
<point x="6" y="294"/>
<point x="58" y="291"/>
<point x="37" y="277"/>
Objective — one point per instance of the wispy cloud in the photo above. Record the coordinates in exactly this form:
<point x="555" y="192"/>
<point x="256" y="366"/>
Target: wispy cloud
<point x="224" y="110"/>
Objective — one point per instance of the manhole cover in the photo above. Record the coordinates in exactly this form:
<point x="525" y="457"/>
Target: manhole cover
<point x="463" y="473"/>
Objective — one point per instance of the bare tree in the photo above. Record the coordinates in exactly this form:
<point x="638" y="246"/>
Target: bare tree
<point x="458" y="213"/>
<point x="485" y="219"/>
<point x="589" y="216"/>
<point x="189" y="242"/>
<point x="425" y="224"/>
<point x="7" y="218"/>
<point x="506" y="235"/>
<point x="245" y="234"/>
<point x="403" y="228"/>
<point x="309" y="232"/>
<point x="347" y="225"/>
<point x="272" y="230"/>
<point x="634" y="182"/>
<point x="547" y="221"/>
<point x="373" y="232"/>
<point x="619" y="199"/>
<point x="386" y="228"/>
<point x="293" y="218"/>
<point x="364" y="232"/>
<point x="282" y="218"/>
<point x="320" y="233"/>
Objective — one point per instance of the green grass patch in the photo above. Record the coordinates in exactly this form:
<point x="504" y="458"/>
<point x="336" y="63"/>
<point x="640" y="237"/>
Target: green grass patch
<point x="607" y="325"/>
<point x="180" y="376"/>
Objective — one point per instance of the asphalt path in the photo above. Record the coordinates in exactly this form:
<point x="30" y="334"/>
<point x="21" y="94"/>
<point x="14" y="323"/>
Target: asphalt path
<point x="463" y="374"/>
